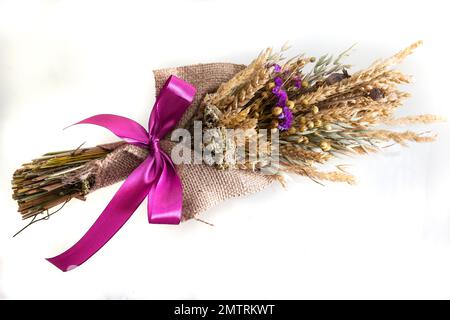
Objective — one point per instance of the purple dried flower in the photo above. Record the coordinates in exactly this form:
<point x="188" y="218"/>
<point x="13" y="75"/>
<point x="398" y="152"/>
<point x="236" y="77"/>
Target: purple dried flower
<point x="275" y="90"/>
<point x="286" y="117"/>
<point x="297" y="82"/>
<point x="276" y="67"/>
<point x="282" y="97"/>
<point x="287" y="120"/>
<point x="278" y="81"/>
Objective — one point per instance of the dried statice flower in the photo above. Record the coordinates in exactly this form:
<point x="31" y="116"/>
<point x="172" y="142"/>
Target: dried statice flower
<point x="297" y="82"/>
<point x="287" y="119"/>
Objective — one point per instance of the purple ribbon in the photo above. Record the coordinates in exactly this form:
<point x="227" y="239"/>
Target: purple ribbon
<point x="156" y="177"/>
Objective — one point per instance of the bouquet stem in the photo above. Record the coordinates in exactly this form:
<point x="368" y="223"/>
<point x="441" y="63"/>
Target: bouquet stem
<point x="43" y="183"/>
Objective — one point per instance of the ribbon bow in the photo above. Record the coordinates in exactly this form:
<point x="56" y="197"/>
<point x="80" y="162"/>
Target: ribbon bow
<point x="156" y="177"/>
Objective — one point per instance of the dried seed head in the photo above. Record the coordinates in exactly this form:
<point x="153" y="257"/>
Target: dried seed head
<point x="302" y="120"/>
<point x="325" y="146"/>
<point x="277" y="111"/>
<point x="290" y="104"/>
<point x="305" y="84"/>
<point x="315" y="109"/>
<point x="303" y="102"/>
<point x="328" y="127"/>
<point x="376" y="94"/>
<point x="310" y="124"/>
<point x="271" y="85"/>
<point x="303" y="128"/>
<point x="292" y="130"/>
<point x="334" y="78"/>
<point x="318" y="123"/>
<point x="274" y="124"/>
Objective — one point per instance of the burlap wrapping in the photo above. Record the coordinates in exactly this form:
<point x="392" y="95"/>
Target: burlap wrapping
<point x="203" y="186"/>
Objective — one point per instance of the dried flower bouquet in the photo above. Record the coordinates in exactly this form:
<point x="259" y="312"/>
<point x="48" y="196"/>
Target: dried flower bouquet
<point x="317" y="108"/>
<point x="319" y="113"/>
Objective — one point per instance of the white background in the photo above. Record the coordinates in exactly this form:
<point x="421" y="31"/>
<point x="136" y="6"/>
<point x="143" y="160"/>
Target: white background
<point x="387" y="237"/>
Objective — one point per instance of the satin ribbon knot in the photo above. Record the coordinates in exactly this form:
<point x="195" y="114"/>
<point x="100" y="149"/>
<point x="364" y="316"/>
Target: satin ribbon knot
<point x="154" y="145"/>
<point x="155" y="178"/>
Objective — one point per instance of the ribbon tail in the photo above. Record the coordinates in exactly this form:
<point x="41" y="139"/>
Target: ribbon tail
<point x="166" y="196"/>
<point x="126" y="200"/>
<point x="125" y="128"/>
